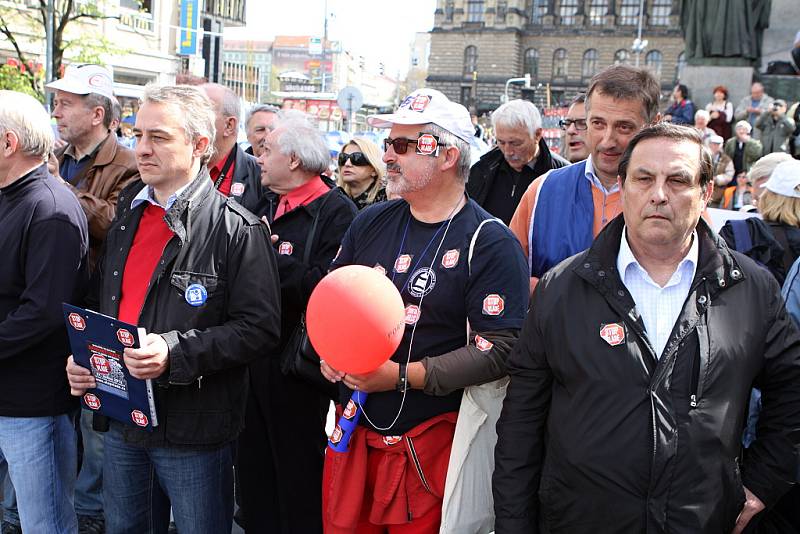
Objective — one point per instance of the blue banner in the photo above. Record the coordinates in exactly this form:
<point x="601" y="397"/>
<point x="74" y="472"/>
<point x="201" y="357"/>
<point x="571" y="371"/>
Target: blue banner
<point x="190" y="15"/>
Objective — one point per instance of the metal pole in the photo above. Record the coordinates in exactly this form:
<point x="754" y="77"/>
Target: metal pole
<point x="324" y="45"/>
<point x="639" y="32"/>
<point x="49" y="74"/>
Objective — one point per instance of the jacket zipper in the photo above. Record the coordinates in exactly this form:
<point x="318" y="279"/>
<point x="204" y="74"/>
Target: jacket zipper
<point x="703" y="349"/>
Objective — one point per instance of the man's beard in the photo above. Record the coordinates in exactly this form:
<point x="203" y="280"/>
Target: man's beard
<point x="400" y="185"/>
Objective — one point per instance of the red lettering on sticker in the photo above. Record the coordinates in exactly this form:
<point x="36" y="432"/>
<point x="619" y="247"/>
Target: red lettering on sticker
<point x="613" y="334"/>
<point x="493" y="304"/>
<point x="402" y="263"/>
<point x="285" y="248"/>
<point x="76" y="321"/>
<point x="483" y="344"/>
<point x="412" y="314"/>
<point x="125" y="337"/>
<point x="92" y="401"/>
<point x="139" y="418"/>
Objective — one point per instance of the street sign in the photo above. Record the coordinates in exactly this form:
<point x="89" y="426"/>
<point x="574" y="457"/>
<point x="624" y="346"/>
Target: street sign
<point x="315" y="46"/>
<point x="350" y="99"/>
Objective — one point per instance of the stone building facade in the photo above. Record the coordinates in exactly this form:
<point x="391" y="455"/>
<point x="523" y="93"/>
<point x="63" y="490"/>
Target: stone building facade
<point x="476" y="45"/>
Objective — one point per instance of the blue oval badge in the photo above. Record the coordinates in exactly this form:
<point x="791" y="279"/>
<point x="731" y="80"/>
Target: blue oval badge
<point x="196" y="295"/>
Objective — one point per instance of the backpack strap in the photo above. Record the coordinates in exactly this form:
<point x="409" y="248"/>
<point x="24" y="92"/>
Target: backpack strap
<point x="741" y="235"/>
<point x="471" y="250"/>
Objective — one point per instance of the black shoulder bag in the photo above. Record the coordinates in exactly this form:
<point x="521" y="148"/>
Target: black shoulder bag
<point x="298" y="357"/>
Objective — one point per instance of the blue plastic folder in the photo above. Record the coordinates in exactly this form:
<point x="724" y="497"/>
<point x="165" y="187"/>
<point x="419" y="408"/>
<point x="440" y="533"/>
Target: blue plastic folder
<point x="97" y="342"/>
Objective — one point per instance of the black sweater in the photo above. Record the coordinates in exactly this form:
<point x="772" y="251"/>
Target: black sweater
<point x="44" y="242"/>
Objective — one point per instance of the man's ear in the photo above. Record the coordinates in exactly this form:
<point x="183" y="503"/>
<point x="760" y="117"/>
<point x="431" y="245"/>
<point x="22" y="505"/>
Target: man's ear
<point x="537" y="135"/>
<point x="9" y="143"/>
<point x="200" y="146"/>
<point x="294" y="162"/>
<point x="451" y="157"/>
<point x="231" y="125"/>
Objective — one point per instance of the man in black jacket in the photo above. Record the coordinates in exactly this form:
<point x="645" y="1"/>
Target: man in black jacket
<point x="281" y="449"/>
<point x="45" y="242"/>
<point x="628" y="417"/>
<point x="503" y="174"/>
<point x="234" y="172"/>
<point x="194" y="269"/>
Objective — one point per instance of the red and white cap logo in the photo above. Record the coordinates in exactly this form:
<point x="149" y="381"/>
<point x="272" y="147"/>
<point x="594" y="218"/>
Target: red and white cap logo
<point x="450" y="258"/>
<point x="402" y="263"/>
<point x="427" y="144"/>
<point x="420" y="102"/>
<point x="391" y="440"/>
<point x="139" y="418"/>
<point x="483" y="344"/>
<point x="100" y="364"/>
<point x="92" y="401"/>
<point x="613" y="334"/>
<point x="336" y="436"/>
<point x="350" y="410"/>
<point x="493" y="304"/>
<point x="76" y="321"/>
<point x="125" y="337"/>
<point x="237" y="189"/>
<point x="412" y="314"/>
<point x="285" y="248"/>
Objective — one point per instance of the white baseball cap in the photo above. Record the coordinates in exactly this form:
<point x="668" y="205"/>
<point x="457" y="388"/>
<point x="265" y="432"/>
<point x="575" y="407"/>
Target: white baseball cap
<point x="85" y="79"/>
<point x="716" y="139"/>
<point x="785" y="179"/>
<point x="425" y="106"/>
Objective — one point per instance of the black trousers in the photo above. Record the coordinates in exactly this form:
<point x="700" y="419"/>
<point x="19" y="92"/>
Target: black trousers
<point x="281" y="454"/>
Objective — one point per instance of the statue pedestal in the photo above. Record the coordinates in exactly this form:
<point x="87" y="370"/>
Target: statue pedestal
<point x="701" y="80"/>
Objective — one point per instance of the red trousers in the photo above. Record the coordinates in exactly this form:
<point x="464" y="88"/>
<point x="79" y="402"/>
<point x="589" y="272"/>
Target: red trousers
<point x="388" y="484"/>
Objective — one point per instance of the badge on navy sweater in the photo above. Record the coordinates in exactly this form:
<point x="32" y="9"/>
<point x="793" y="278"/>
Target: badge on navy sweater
<point x="196" y="295"/>
<point x="237" y="189"/>
<point x="613" y="333"/>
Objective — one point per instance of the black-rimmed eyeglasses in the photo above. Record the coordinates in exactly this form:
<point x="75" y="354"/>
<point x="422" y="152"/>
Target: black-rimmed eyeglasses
<point x="580" y="124"/>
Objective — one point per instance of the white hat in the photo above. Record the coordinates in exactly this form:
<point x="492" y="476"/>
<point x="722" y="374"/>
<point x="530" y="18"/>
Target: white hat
<point x="425" y="106"/>
<point x="785" y="179"/>
<point x="85" y="79"/>
<point x="716" y="139"/>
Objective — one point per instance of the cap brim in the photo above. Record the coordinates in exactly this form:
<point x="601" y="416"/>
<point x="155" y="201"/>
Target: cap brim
<point x="388" y="119"/>
<point x="70" y="86"/>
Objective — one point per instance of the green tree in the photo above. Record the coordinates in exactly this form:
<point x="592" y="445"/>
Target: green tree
<point x="13" y="79"/>
<point x="20" y="23"/>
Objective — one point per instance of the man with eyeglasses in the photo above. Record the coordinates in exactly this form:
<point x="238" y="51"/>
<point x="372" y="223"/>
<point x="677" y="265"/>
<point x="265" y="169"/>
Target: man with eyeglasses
<point x="574" y="127"/>
<point x="456" y="268"/>
<point x="620" y="101"/>
<point x="499" y="179"/>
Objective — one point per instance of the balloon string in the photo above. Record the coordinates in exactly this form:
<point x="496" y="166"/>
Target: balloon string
<point x="414" y="329"/>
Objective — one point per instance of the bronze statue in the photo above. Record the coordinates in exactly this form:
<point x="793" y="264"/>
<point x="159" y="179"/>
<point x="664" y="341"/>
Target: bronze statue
<point x="724" y="32"/>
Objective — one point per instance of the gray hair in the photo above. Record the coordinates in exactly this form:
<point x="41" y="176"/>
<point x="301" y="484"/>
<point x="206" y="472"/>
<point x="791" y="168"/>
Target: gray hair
<point x="448" y="139"/>
<point x="95" y="100"/>
<point x="743" y="124"/>
<point x="518" y="113"/>
<point x="296" y="136"/>
<point x="195" y="108"/>
<point x="259" y="108"/>
<point x="25" y="116"/>
<point x="703" y="113"/>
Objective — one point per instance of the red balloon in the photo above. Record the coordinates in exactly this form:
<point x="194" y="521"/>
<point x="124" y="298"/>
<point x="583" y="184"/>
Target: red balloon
<point x="355" y="319"/>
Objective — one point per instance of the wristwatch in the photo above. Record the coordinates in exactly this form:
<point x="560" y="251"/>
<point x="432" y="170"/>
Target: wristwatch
<point x="402" y="379"/>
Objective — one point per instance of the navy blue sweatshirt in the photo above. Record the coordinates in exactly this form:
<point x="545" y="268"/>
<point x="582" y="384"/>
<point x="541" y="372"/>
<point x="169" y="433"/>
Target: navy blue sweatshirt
<point x="44" y="243"/>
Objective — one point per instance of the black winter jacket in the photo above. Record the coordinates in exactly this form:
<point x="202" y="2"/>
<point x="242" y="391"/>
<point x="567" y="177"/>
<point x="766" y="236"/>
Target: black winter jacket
<point x="601" y="438"/>
<point x="247" y="172"/>
<point x="200" y="400"/>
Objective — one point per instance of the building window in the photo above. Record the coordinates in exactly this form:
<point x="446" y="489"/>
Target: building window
<point x="470" y="59"/>
<point x="629" y="13"/>
<point x="449" y="8"/>
<point x="589" y="64"/>
<point x="560" y="63"/>
<point x="566" y="12"/>
<point x="621" y="57"/>
<point x="531" y="63"/>
<point x="475" y="10"/>
<point x="598" y="9"/>
<point x="538" y="11"/>
<point x="659" y="12"/>
<point x="679" y="67"/>
<point x="653" y="61"/>
<point x="136" y="5"/>
<point x="502" y="9"/>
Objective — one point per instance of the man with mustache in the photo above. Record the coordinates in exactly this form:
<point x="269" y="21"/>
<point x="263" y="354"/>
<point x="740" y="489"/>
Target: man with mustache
<point x="498" y="181"/>
<point x="620" y="101"/>
<point x="630" y="419"/>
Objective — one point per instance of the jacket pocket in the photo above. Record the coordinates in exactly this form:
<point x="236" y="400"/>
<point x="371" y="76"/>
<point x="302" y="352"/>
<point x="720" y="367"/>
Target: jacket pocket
<point x="211" y="283"/>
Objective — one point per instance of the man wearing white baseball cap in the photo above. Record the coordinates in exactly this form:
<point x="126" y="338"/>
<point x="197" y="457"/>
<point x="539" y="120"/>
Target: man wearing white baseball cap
<point x="454" y="266"/>
<point x="96" y="168"/>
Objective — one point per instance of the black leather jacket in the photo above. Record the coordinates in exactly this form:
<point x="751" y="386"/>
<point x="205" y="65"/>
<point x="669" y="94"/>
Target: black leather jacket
<point x="596" y="437"/>
<point x="248" y="173"/>
<point x="200" y="400"/>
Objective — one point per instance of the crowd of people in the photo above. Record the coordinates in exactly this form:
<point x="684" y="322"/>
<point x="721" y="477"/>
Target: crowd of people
<point x="582" y="352"/>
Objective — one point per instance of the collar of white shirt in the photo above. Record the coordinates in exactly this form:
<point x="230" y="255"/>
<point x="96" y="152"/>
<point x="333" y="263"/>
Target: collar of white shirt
<point x="147" y="194"/>
<point x="626" y="259"/>
<point x="592" y="177"/>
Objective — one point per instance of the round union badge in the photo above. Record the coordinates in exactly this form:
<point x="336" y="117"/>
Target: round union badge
<point x="196" y="295"/>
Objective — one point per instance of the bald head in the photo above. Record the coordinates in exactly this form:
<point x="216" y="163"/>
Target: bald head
<point x="227" y="108"/>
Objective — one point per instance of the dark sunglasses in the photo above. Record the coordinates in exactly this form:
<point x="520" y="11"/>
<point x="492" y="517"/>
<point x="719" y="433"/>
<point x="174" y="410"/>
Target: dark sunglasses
<point x="400" y="144"/>
<point x="580" y="124"/>
<point x="356" y="158"/>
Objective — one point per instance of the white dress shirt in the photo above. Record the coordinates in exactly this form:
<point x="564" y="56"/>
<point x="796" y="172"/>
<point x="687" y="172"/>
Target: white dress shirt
<point x="658" y="306"/>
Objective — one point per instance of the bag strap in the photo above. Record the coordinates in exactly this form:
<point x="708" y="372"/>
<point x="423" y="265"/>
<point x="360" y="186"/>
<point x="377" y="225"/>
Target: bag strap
<point x="312" y="229"/>
<point x="741" y="235"/>
<point x="472" y="243"/>
<point x="780" y="236"/>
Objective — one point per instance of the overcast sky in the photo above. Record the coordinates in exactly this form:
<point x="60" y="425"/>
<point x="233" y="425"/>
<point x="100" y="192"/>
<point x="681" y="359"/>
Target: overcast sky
<point x="380" y="30"/>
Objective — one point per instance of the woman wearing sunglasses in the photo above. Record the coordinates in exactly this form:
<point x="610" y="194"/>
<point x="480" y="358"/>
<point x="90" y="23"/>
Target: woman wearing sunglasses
<point x="362" y="173"/>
